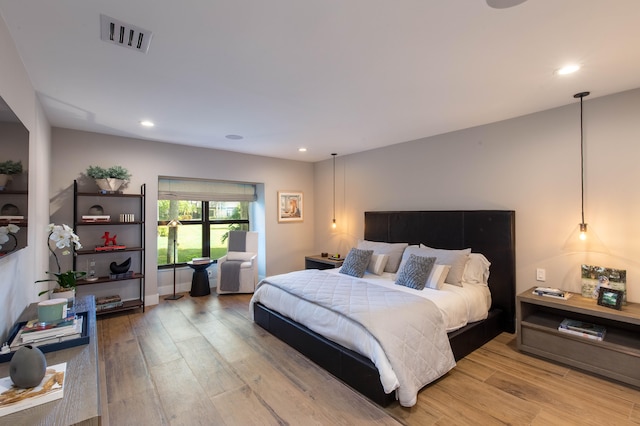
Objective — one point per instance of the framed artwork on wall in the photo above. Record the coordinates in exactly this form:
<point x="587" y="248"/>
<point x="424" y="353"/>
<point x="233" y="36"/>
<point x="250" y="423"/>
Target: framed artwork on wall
<point x="290" y="207"/>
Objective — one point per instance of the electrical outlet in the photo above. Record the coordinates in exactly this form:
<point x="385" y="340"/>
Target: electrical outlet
<point x="541" y="274"/>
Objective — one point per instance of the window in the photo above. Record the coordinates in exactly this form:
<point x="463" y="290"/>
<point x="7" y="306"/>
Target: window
<point x="204" y="223"/>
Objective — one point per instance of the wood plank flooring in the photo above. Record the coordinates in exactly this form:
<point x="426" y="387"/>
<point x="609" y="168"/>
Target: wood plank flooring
<point x="202" y="361"/>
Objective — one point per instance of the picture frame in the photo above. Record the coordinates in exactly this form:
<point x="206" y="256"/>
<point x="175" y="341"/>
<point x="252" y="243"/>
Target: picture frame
<point x="290" y="206"/>
<point x="610" y="298"/>
<point x="594" y="277"/>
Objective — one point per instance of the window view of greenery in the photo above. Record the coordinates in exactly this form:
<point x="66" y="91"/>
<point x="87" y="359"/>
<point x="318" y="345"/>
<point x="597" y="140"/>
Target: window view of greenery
<point x="203" y="230"/>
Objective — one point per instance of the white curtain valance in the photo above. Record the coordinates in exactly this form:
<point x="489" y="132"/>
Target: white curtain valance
<point x="205" y="190"/>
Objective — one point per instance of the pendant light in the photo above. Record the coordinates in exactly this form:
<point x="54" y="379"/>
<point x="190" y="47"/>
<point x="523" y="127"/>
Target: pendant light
<point x="583" y="225"/>
<point x="333" y="224"/>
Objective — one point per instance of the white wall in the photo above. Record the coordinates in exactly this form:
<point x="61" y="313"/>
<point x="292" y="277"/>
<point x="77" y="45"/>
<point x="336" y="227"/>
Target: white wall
<point x="286" y="244"/>
<point x="19" y="270"/>
<point x="529" y="164"/>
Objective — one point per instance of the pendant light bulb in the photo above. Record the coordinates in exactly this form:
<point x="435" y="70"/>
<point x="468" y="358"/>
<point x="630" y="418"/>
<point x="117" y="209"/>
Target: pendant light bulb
<point x="583" y="231"/>
<point x="333" y="223"/>
<point x="583" y="226"/>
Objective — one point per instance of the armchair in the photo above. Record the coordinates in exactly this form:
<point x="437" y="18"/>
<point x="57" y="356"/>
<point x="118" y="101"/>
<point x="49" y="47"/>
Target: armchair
<point x="238" y="269"/>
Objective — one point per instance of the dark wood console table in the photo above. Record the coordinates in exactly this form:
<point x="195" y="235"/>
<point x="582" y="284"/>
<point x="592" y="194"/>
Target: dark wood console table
<point x="81" y="401"/>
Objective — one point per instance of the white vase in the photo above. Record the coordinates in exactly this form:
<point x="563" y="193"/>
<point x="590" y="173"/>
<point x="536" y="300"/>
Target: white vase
<point x="109" y="184"/>
<point x="3" y="180"/>
<point x="70" y="295"/>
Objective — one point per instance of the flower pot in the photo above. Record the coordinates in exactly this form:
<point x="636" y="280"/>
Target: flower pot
<point x="59" y="293"/>
<point x="109" y="184"/>
<point x="3" y="180"/>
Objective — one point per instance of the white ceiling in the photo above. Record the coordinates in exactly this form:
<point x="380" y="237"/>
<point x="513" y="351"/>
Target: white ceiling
<point x="330" y="75"/>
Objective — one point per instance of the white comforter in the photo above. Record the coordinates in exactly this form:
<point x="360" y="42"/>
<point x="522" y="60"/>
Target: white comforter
<point x="404" y="335"/>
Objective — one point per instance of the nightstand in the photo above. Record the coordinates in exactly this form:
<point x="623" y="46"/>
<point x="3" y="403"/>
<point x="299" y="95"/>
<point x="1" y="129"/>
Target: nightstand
<point x="616" y="356"/>
<point x="319" y="262"/>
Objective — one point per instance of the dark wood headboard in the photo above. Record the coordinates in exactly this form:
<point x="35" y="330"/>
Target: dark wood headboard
<point x="490" y="232"/>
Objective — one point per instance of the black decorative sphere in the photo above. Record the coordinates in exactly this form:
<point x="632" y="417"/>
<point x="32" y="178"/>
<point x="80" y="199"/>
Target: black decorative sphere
<point x="28" y="367"/>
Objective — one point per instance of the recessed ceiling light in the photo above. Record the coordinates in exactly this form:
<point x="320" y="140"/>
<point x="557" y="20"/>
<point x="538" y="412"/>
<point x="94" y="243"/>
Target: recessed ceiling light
<point x="147" y="123"/>
<point x="302" y="149"/>
<point x="567" y="69"/>
<point x="234" y="137"/>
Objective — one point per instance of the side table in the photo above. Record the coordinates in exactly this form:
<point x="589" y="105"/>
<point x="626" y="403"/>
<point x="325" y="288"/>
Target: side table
<point x="319" y="262"/>
<point x="200" y="280"/>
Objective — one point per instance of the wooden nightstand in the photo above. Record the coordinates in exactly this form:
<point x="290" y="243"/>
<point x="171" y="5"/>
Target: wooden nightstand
<point x="319" y="262"/>
<point x="616" y="357"/>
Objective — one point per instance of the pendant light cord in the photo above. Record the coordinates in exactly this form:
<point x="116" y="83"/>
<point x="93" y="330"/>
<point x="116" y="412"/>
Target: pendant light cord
<point x="582" y="159"/>
<point x="581" y="95"/>
<point x="334" y="187"/>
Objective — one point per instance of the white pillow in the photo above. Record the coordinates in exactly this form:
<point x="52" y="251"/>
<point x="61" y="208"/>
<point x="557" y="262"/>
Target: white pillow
<point x="394" y="250"/>
<point x="437" y="276"/>
<point x="377" y="263"/>
<point x="240" y="255"/>
<point x="477" y="270"/>
<point x="456" y="258"/>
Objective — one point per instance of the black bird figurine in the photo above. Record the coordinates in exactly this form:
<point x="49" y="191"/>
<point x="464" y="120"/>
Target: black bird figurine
<point x="121" y="268"/>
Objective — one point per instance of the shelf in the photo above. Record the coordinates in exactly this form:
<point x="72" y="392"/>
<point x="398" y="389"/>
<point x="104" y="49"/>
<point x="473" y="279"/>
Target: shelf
<point x="126" y="305"/>
<point x="131" y="288"/>
<point x="13" y="192"/>
<point x="107" y="195"/>
<point x="83" y="252"/>
<point x="109" y="223"/>
<point x="135" y="276"/>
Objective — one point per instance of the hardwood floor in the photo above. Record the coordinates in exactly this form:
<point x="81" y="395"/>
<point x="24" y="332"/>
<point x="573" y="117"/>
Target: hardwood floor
<point x="203" y="361"/>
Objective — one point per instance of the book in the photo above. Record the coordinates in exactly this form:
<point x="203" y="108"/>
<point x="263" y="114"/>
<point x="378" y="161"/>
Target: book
<point x="17" y="342"/>
<point x="96" y="218"/>
<point x="64" y="328"/>
<point x="552" y="292"/>
<point x="121" y="276"/>
<point x="35" y="326"/>
<point x="110" y="248"/>
<point x="200" y="260"/>
<point x="51" y="388"/>
<point x="20" y="340"/>
<point x="109" y="305"/>
<point x="107" y="299"/>
<point x="581" y="334"/>
<point x="582" y="327"/>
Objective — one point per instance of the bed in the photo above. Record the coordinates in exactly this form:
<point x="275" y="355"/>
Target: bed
<point x="491" y="233"/>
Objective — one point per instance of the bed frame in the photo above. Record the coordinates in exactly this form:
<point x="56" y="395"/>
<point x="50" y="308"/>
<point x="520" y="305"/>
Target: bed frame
<point x="490" y="232"/>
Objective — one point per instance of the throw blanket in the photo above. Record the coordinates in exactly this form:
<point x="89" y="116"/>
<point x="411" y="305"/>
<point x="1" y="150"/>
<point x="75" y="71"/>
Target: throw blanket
<point x="230" y="275"/>
<point x="400" y="329"/>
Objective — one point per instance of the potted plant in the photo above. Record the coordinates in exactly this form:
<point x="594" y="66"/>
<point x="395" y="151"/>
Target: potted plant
<point x="7" y="169"/>
<point x="109" y="179"/>
<point x="63" y="237"/>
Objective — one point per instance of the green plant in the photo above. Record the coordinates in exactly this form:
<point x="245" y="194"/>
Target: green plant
<point x="10" y="167"/>
<point x="114" y="172"/>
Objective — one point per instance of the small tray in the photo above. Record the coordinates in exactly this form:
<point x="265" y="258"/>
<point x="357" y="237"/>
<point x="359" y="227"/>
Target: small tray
<point x="82" y="340"/>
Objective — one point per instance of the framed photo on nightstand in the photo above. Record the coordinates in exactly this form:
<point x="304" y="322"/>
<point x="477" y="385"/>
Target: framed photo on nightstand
<point x="609" y="297"/>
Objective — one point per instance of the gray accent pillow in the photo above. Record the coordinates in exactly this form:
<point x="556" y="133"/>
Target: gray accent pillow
<point x="356" y="262"/>
<point x="394" y="250"/>
<point x="456" y="258"/>
<point x="415" y="271"/>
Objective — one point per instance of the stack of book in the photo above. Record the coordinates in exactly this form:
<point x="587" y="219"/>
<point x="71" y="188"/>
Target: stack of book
<point x="552" y="292"/>
<point x="583" y="329"/>
<point x="121" y="276"/>
<point x="36" y="333"/>
<point x="108" y="302"/>
<point x="200" y="260"/>
<point x="96" y="218"/>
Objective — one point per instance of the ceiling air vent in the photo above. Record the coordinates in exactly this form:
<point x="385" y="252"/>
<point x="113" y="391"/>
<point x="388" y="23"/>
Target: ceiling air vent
<point x="125" y="35"/>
